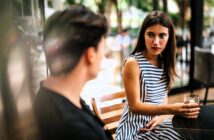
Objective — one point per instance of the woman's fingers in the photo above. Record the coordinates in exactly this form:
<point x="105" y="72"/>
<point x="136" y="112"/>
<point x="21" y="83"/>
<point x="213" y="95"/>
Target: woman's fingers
<point x="190" y="105"/>
<point x="152" y="126"/>
<point x="191" y="116"/>
<point x="191" y="113"/>
<point x="193" y="107"/>
<point x="190" y="110"/>
<point x="151" y="121"/>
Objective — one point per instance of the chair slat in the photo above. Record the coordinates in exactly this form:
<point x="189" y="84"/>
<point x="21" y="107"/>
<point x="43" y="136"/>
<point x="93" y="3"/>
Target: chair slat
<point x="112" y="127"/>
<point x="112" y="96"/>
<point x="112" y="119"/>
<point x="110" y="108"/>
<point x="113" y="130"/>
<point x="111" y="114"/>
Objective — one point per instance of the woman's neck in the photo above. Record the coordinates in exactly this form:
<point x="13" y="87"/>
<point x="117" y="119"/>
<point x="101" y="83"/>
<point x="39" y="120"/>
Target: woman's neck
<point x="153" y="59"/>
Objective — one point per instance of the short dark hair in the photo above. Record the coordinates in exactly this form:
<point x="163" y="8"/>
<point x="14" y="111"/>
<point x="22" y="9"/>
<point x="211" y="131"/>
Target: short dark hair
<point x="168" y="55"/>
<point x="125" y="30"/>
<point x="68" y="33"/>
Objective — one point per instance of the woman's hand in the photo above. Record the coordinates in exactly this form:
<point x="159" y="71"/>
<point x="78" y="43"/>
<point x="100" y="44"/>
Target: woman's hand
<point x="153" y="123"/>
<point x="190" y="110"/>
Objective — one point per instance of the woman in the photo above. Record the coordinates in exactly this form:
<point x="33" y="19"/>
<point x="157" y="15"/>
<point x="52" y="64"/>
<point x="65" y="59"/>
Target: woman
<point x="147" y="76"/>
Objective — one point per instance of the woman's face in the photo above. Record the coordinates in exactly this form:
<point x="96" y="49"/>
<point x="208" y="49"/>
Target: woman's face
<point x="156" y="38"/>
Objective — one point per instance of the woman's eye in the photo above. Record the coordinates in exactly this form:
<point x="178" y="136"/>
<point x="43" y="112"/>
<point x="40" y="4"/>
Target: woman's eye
<point x="150" y="34"/>
<point x="162" y="36"/>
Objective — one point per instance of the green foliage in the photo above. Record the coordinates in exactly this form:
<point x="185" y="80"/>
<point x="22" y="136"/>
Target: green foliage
<point x="50" y="4"/>
<point x="206" y="22"/>
<point x="70" y="2"/>
<point x="209" y="2"/>
<point x="101" y="6"/>
<point x="176" y="19"/>
<point x="113" y="31"/>
<point x="134" y="32"/>
<point x="103" y="3"/>
<point x="145" y="5"/>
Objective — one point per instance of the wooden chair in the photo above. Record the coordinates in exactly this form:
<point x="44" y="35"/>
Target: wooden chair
<point x="109" y="109"/>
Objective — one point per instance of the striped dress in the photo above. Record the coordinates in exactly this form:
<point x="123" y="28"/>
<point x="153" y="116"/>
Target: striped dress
<point x="152" y="91"/>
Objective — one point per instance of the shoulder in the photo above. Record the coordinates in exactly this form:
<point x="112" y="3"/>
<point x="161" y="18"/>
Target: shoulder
<point x="131" y="66"/>
<point x="131" y="61"/>
<point x="127" y="37"/>
<point x="48" y="99"/>
<point x="118" y="36"/>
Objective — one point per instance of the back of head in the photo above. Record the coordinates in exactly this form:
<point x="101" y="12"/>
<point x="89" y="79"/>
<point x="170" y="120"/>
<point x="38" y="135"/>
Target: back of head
<point x="124" y="30"/>
<point x="68" y="33"/>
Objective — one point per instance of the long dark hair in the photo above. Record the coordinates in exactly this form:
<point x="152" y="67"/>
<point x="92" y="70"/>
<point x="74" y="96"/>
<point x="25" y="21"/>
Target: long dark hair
<point x="168" y="55"/>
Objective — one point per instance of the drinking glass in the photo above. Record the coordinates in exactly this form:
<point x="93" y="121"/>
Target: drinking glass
<point x="192" y="98"/>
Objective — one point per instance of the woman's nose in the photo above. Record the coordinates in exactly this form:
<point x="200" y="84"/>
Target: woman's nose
<point x="156" y="40"/>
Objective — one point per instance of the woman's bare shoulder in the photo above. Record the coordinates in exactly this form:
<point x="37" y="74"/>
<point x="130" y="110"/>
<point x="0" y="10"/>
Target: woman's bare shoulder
<point x="131" y="65"/>
<point x="131" y="61"/>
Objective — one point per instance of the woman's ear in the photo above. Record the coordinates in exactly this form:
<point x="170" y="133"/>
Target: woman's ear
<point x="90" y="55"/>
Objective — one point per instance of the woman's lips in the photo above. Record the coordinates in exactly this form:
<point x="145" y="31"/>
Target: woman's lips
<point x="156" y="48"/>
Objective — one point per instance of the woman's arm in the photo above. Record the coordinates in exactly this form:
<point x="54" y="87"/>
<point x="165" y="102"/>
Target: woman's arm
<point x="131" y="75"/>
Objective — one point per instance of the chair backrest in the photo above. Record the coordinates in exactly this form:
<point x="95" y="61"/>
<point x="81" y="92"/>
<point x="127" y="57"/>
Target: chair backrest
<point x="204" y="66"/>
<point x="109" y="109"/>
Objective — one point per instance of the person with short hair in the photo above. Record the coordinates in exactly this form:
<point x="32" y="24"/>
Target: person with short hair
<point x="74" y="41"/>
<point x="120" y="51"/>
<point x="147" y="76"/>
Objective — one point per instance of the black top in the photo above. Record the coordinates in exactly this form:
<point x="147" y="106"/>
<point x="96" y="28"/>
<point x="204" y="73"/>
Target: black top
<point x="60" y="119"/>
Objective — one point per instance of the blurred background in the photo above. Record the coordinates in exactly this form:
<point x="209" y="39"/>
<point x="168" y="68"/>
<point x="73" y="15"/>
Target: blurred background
<point x="23" y="65"/>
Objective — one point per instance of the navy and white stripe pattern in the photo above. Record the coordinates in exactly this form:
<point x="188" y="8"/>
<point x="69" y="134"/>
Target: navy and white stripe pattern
<point x="153" y="90"/>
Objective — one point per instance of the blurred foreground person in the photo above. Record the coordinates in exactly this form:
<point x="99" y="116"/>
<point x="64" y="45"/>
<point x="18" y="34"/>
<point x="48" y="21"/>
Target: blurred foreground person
<point x="74" y="46"/>
<point x="17" y="121"/>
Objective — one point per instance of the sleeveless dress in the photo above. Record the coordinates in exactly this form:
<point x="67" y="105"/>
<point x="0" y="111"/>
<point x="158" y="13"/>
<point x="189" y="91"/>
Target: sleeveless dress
<point x="152" y="91"/>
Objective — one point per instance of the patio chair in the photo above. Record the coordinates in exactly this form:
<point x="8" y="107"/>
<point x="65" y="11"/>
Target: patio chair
<point x="109" y="109"/>
<point x="204" y="69"/>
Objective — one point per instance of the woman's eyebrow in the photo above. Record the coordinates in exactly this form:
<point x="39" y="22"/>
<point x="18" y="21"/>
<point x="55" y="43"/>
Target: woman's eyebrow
<point x="163" y="33"/>
<point x="150" y="32"/>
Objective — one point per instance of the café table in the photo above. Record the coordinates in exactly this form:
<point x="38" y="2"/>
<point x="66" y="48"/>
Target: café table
<point x="201" y="128"/>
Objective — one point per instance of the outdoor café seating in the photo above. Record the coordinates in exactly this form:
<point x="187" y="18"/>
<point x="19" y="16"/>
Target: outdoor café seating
<point x="109" y="108"/>
<point x="201" y="128"/>
<point x="204" y="68"/>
